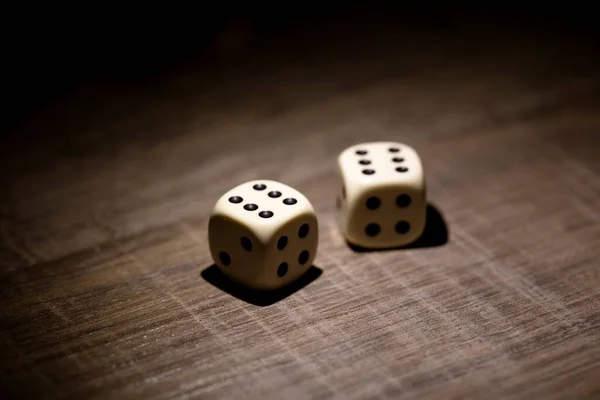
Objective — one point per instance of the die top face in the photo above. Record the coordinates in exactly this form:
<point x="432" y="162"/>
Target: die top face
<point x="262" y="205"/>
<point x="380" y="164"/>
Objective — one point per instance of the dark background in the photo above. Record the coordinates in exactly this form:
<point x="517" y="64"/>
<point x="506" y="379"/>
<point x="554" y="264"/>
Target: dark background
<point x="49" y="51"/>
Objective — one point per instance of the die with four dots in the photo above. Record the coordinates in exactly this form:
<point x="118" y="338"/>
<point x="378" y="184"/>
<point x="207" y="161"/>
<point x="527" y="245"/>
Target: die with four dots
<point x="263" y="234"/>
<point x="382" y="195"/>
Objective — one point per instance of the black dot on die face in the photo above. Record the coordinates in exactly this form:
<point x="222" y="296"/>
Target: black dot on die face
<point x="303" y="257"/>
<point x="246" y="243"/>
<point x="250" y="207"/>
<point x="224" y="258"/>
<point x="402" y="169"/>
<point x="372" y="229"/>
<point x="402" y="227"/>
<point x="303" y="231"/>
<point x="393" y="149"/>
<point x="265" y="214"/>
<point x="403" y="200"/>
<point x="361" y="152"/>
<point x="290" y="201"/>
<point x="364" y="162"/>
<point x="282" y="269"/>
<point x="274" y="194"/>
<point x="368" y="171"/>
<point x="282" y="242"/>
<point x="397" y="159"/>
<point x="373" y="203"/>
<point x="235" y="199"/>
<point x="259" y="186"/>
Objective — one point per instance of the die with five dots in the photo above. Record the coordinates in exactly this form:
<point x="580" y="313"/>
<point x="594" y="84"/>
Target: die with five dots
<point x="263" y="234"/>
<point x="382" y="195"/>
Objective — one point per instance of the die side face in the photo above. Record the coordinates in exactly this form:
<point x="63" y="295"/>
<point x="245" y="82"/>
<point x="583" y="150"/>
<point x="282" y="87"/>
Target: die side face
<point x="263" y="212"/>
<point x="382" y="201"/>
<point x="387" y="216"/>
<point x="236" y="250"/>
<point x="291" y="251"/>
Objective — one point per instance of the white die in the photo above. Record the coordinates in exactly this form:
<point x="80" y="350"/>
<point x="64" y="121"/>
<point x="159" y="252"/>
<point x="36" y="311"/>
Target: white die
<point x="263" y="234"/>
<point x="382" y="202"/>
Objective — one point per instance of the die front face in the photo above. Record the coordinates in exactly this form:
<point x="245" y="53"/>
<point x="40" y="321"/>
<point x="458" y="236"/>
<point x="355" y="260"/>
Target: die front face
<point x="382" y="201"/>
<point x="263" y="234"/>
<point x="291" y="250"/>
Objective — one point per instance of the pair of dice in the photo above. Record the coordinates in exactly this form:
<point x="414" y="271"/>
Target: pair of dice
<point x="264" y="234"/>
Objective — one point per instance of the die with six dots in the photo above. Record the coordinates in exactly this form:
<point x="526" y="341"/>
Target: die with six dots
<point x="382" y="200"/>
<point x="263" y="234"/>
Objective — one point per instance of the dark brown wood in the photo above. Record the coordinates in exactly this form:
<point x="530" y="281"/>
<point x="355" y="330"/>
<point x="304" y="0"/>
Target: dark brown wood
<point x="106" y="284"/>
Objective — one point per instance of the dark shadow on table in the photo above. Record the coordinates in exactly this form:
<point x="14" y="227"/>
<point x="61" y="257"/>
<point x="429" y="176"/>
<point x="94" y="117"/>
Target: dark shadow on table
<point x="257" y="297"/>
<point x="435" y="234"/>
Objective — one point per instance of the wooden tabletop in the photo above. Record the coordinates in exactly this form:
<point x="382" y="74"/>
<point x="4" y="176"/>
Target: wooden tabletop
<point x="108" y="290"/>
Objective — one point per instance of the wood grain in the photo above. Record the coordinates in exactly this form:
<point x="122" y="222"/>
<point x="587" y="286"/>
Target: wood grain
<point x="106" y="283"/>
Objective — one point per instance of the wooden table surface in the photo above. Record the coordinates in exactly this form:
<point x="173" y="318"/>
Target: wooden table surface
<point x="107" y="288"/>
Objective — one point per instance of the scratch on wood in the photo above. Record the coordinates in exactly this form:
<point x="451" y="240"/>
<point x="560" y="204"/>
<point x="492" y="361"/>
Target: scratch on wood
<point x="461" y="237"/>
<point x="585" y="190"/>
<point x="142" y="266"/>
<point x="191" y="233"/>
<point x="417" y="296"/>
<point x="28" y="363"/>
<point x="303" y="360"/>
<point x="333" y="233"/>
<point x="54" y="310"/>
<point x="11" y="244"/>
<point x="390" y="377"/>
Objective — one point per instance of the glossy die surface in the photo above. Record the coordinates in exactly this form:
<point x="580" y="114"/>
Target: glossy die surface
<point x="382" y="195"/>
<point x="263" y="234"/>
